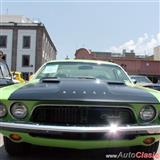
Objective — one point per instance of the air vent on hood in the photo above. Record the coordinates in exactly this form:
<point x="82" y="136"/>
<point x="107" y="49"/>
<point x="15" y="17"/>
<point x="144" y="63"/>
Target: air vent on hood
<point x="50" y="80"/>
<point x="115" y="83"/>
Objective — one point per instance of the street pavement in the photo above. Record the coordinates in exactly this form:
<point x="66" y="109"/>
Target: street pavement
<point x="44" y="153"/>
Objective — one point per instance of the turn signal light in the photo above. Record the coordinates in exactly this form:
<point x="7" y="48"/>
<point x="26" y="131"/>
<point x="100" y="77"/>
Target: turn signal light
<point x="15" y="137"/>
<point x="149" y="140"/>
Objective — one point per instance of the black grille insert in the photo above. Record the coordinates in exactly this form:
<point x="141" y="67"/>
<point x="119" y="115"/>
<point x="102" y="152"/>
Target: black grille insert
<point x="88" y="116"/>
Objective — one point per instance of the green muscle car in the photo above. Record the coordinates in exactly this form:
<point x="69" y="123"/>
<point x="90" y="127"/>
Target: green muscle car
<point x="80" y="104"/>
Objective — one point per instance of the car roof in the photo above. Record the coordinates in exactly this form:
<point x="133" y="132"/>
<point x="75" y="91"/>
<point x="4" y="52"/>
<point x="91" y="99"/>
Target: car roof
<point x="137" y="76"/>
<point x="85" y="61"/>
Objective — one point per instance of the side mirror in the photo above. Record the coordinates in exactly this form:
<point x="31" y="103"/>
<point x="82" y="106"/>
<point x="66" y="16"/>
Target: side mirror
<point x="134" y="81"/>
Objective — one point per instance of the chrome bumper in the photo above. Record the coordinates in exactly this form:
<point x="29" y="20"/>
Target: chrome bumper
<point x="36" y="128"/>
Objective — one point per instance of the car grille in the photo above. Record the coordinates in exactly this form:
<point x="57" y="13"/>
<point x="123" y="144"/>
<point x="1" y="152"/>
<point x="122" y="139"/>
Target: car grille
<point x="80" y="116"/>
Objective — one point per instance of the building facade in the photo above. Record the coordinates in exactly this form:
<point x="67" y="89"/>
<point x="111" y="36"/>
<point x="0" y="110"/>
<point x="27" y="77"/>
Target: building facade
<point x="133" y="64"/>
<point x="26" y="44"/>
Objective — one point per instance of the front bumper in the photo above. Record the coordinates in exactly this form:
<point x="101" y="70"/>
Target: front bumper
<point x="25" y="130"/>
<point x="37" y="128"/>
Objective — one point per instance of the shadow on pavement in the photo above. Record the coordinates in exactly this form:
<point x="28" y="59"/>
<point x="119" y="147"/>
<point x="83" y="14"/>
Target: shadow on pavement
<point x="45" y="153"/>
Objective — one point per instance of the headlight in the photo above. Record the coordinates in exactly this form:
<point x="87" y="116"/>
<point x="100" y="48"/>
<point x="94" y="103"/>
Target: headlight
<point x="3" y="110"/>
<point x="148" y="113"/>
<point x="19" y="110"/>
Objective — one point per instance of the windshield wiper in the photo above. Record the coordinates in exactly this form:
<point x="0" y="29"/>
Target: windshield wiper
<point x="2" y="74"/>
<point x="83" y="77"/>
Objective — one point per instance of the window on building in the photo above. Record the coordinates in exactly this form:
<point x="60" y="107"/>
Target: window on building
<point x="26" y="41"/>
<point x="25" y="61"/>
<point x="3" y="41"/>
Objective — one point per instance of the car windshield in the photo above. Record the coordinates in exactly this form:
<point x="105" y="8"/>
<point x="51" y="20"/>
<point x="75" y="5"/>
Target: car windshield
<point x="83" y="70"/>
<point x="141" y="79"/>
<point x="4" y="72"/>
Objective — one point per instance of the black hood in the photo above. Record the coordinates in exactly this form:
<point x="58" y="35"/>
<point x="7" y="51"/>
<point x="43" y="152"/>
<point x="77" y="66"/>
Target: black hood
<point x="82" y="90"/>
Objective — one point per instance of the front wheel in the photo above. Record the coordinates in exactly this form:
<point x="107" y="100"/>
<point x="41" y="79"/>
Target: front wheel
<point x="16" y="149"/>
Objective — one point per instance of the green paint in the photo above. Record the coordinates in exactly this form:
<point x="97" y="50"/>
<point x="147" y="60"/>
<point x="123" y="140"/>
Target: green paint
<point x="5" y="92"/>
<point x="81" y="144"/>
<point x="154" y="92"/>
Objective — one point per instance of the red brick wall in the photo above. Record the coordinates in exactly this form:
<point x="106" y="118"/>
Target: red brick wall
<point x="132" y="66"/>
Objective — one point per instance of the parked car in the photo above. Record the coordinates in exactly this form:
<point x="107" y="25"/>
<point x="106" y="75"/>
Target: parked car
<point x="80" y="104"/>
<point x="5" y="75"/>
<point x="145" y="81"/>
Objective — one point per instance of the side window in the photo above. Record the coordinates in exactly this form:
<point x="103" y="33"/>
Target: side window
<point x="26" y="41"/>
<point x="4" y="70"/>
<point x="119" y="74"/>
<point x="3" y="41"/>
<point x="1" y="75"/>
<point x="25" y="60"/>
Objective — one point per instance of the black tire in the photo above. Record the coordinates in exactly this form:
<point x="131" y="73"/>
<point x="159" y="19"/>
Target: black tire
<point x="149" y="149"/>
<point x="16" y="149"/>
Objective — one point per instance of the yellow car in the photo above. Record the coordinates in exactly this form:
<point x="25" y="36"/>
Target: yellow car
<point x="18" y="76"/>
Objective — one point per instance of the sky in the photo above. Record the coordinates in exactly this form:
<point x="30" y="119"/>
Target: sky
<point x="102" y="25"/>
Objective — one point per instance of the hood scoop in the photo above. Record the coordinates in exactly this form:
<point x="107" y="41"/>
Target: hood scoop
<point x="115" y="83"/>
<point x="50" y="80"/>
